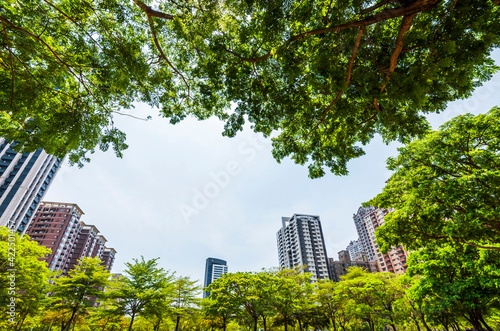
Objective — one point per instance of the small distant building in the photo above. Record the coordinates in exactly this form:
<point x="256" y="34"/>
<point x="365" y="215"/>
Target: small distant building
<point x="355" y="249"/>
<point x="214" y="269"/>
<point x="339" y="268"/>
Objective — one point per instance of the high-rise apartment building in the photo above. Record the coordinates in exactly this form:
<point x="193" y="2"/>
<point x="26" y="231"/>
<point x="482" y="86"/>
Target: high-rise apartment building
<point x="57" y="225"/>
<point x="24" y="179"/>
<point x="363" y="233"/>
<point x="367" y="220"/>
<point x="214" y="268"/>
<point x="108" y="257"/>
<point x="301" y="243"/>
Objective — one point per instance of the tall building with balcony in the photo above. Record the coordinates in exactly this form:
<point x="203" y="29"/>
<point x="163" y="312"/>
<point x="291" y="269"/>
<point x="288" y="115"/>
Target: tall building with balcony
<point x="24" y="179"/>
<point x="363" y="233"/>
<point x="367" y="220"/>
<point x="57" y="226"/>
<point x="108" y="257"/>
<point x="214" y="269"/>
<point x="301" y="244"/>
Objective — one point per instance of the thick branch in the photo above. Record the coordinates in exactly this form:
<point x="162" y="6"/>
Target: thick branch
<point x="151" y="12"/>
<point x="415" y="8"/>
<point x="405" y="26"/>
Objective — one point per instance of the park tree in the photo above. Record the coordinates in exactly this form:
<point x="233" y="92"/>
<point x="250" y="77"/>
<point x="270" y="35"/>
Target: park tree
<point x="369" y="297"/>
<point x="292" y="296"/>
<point x="184" y="298"/>
<point x="220" y="307"/>
<point x="325" y="76"/>
<point x="24" y="279"/>
<point x="142" y="284"/>
<point x="457" y="282"/>
<point x="445" y="186"/>
<point x="80" y="289"/>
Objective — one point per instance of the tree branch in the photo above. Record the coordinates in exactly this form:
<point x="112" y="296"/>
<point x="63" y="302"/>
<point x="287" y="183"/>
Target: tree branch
<point x="163" y="56"/>
<point x="405" y="26"/>
<point x="376" y="6"/>
<point x="415" y="8"/>
<point x="255" y="60"/>
<point x="11" y="65"/>
<point x="151" y="12"/>
<point x="69" y="67"/>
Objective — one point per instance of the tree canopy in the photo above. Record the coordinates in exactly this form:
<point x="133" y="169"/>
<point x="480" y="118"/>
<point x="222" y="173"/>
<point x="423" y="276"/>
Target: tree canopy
<point x="445" y="186"/>
<point x="327" y="76"/>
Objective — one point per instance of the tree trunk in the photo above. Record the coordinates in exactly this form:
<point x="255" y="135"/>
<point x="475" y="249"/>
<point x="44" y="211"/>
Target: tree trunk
<point x="264" y="320"/>
<point x="68" y="325"/>
<point x="19" y="325"/>
<point x="131" y="322"/>
<point x="481" y="319"/>
<point x="177" y="323"/>
<point x="334" y="323"/>
<point x="224" y="321"/>
<point x="475" y="322"/>
<point x="255" y="320"/>
<point x="300" y="324"/>
<point x="286" y="324"/>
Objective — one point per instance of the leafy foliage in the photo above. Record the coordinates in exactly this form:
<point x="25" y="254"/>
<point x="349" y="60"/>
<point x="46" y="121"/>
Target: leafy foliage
<point x="80" y="289"/>
<point x="143" y="285"/>
<point x="446" y="186"/>
<point x="327" y="76"/>
<point x="457" y="282"/>
<point x="24" y="280"/>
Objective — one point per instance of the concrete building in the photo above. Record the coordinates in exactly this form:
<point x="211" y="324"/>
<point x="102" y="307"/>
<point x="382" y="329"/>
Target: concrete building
<point x="367" y="221"/>
<point x="301" y="243"/>
<point x="108" y="257"/>
<point x="363" y="233"/>
<point x="355" y="249"/>
<point x="340" y="267"/>
<point x="214" y="269"/>
<point x="57" y="225"/>
<point x="24" y="179"/>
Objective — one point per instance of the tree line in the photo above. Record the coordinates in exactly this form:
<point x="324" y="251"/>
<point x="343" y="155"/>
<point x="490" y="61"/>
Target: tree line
<point x="447" y="287"/>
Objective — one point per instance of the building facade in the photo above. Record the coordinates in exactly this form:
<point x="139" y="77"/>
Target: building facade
<point x="214" y="269"/>
<point x="24" y="179"/>
<point x="363" y="233"/>
<point x="57" y="225"/>
<point x="301" y="244"/>
<point x="355" y="249"/>
<point x="367" y="221"/>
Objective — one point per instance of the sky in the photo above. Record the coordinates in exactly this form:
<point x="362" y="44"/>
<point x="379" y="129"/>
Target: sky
<point x="183" y="193"/>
